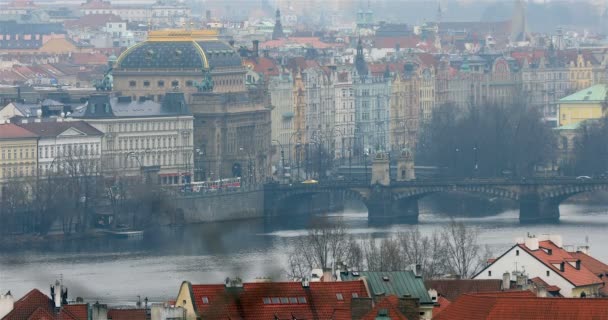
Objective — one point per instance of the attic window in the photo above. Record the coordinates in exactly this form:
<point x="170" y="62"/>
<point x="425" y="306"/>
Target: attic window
<point x="276" y="300"/>
<point x="385" y="278"/>
<point x="205" y="300"/>
<point x="293" y="300"/>
<point x="266" y="300"/>
<point x="516" y="252"/>
<point x="548" y="273"/>
<point x="355" y="295"/>
<point x="339" y="297"/>
<point x="301" y="299"/>
<point x="284" y="300"/>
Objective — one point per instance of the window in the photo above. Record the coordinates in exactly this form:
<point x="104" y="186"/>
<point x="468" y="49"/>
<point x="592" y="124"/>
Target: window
<point x="284" y="300"/>
<point x="293" y="300"/>
<point x="489" y="273"/>
<point x="301" y="299"/>
<point x="339" y="297"/>
<point x="548" y="273"/>
<point x="189" y="83"/>
<point x="355" y="295"/>
<point x="175" y="83"/>
<point x="161" y="83"/>
<point x="146" y="83"/>
<point x="516" y="252"/>
<point x="276" y="300"/>
<point x="266" y="300"/>
<point x="206" y="300"/>
<point x="132" y="83"/>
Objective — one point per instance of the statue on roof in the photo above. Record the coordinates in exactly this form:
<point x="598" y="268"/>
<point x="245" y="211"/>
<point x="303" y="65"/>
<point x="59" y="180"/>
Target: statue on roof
<point x="206" y="85"/>
<point x="107" y="82"/>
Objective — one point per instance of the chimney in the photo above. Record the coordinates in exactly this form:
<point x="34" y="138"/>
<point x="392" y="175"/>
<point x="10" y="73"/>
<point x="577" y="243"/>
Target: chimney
<point x="506" y="281"/>
<point x="434" y="295"/>
<point x="532" y="243"/>
<point x="522" y="281"/>
<point x="256" y="48"/>
<point x="583" y="249"/>
<point x="359" y="307"/>
<point x="56" y="294"/>
<point x="409" y="307"/>
<point x="556" y="239"/>
<point x="99" y="311"/>
<point x="305" y="282"/>
<point x="7" y="302"/>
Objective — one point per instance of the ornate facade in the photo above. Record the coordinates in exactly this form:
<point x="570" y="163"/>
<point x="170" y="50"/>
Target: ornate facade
<point x="232" y="122"/>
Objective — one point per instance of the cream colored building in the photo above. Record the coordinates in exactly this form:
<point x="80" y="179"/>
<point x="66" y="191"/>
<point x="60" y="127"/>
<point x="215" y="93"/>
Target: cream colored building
<point x="589" y="103"/>
<point x="18" y="152"/>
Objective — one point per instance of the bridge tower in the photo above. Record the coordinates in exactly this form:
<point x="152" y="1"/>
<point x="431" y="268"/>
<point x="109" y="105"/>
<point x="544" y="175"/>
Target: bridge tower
<point x="405" y="166"/>
<point x="381" y="170"/>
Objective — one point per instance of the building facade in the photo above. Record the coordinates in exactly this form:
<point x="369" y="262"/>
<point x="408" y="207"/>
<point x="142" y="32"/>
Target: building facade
<point x="143" y="138"/>
<point x="18" y="153"/>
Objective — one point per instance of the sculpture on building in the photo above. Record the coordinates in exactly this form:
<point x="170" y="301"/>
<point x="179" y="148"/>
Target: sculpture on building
<point x="206" y="85"/>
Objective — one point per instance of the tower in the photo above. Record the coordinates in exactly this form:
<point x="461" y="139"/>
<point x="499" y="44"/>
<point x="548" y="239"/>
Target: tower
<point x="518" y="23"/>
<point x="360" y="63"/>
<point x="277" y="32"/>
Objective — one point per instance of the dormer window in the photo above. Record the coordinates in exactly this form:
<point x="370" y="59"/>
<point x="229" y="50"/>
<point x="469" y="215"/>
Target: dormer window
<point x="205" y="300"/>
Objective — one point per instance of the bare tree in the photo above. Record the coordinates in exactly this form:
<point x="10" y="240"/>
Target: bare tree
<point x="325" y="245"/>
<point x="464" y="255"/>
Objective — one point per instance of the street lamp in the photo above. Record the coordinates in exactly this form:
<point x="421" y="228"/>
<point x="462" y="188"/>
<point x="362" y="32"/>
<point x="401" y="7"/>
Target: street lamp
<point x="251" y="175"/>
<point x="282" y="159"/>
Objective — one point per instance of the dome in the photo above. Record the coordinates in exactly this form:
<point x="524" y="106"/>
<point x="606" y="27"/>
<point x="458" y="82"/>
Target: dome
<point x="173" y="49"/>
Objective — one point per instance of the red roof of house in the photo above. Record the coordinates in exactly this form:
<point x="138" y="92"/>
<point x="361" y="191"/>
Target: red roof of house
<point x="127" y="314"/>
<point x="83" y="58"/>
<point x="452" y="289"/>
<point x="282" y="299"/>
<point x="516" y="305"/>
<point x="540" y="282"/>
<point x="74" y="312"/>
<point x="597" y="267"/>
<point x="313" y="42"/>
<point x="442" y="304"/>
<point x="34" y="302"/>
<point x="265" y="66"/>
<point x="53" y="129"/>
<point x="13" y="131"/>
<point x="390" y="304"/>
<point x="558" y="255"/>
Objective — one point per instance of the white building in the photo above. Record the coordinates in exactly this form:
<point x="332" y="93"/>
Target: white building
<point x="143" y="137"/>
<point x="73" y="146"/>
<point x="544" y="258"/>
<point x="344" y="111"/>
<point x="281" y="97"/>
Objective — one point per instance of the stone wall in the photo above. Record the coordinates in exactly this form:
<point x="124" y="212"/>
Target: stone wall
<point x="222" y="206"/>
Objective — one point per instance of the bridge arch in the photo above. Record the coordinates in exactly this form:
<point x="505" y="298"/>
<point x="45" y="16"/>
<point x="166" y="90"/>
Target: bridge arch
<point x="287" y="200"/>
<point x="423" y="191"/>
<point x="561" y="193"/>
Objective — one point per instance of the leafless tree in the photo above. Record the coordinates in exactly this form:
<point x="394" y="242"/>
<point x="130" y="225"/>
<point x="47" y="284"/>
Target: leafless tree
<point x="453" y="250"/>
<point x="325" y="245"/>
<point x="464" y="255"/>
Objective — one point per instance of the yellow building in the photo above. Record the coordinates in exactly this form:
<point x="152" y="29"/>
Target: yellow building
<point x="586" y="71"/>
<point x="589" y="103"/>
<point x="18" y="152"/>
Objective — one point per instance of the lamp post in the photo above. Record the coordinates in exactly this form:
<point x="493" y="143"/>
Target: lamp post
<point x="250" y="173"/>
<point x="198" y="170"/>
<point x="282" y="160"/>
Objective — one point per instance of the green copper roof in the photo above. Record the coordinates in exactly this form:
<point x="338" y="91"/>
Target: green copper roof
<point x="399" y="283"/>
<point x="593" y="94"/>
<point x="577" y="125"/>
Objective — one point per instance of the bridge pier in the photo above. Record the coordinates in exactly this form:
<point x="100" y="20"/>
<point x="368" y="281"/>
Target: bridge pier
<point x="382" y="207"/>
<point x="532" y="209"/>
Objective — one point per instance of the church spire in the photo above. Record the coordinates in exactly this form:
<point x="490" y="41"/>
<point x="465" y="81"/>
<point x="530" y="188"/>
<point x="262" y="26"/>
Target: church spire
<point x="277" y="32"/>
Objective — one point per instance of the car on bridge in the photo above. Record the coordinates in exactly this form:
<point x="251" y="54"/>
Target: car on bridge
<point x="310" y="181"/>
<point x="581" y="178"/>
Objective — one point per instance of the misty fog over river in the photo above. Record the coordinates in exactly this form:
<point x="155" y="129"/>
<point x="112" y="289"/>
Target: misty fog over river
<point x="117" y="271"/>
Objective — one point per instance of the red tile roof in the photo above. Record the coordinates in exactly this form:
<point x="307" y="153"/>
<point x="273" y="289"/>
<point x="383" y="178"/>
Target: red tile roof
<point x="127" y="314"/>
<point x="452" y="289"/>
<point x="443" y="303"/>
<point x="542" y="283"/>
<point x="53" y="129"/>
<point x="263" y="65"/>
<point x="558" y="255"/>
<point x="515" y="305"/>
<point x="84" y="58"/>
<point x="33" y="303"/>
<point x="313" y="42"/>
<point x="74" y="312"/>
<point x="13" y="131"/>
<point x="319" y="301"/>
<point x="390" y="304"/>
<point x="597" y="267"/>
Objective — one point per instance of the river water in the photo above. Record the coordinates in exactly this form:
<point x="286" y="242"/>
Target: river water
<point x="117" y="271"/>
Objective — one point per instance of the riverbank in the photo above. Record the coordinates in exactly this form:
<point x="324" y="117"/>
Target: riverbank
<point x="29" y="241"/>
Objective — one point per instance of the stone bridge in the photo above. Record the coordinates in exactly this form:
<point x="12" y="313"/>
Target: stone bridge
<point x="538" y="199"/>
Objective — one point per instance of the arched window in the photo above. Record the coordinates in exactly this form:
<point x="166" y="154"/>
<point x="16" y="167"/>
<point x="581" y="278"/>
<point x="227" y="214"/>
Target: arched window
<point x="132" y="83"/>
